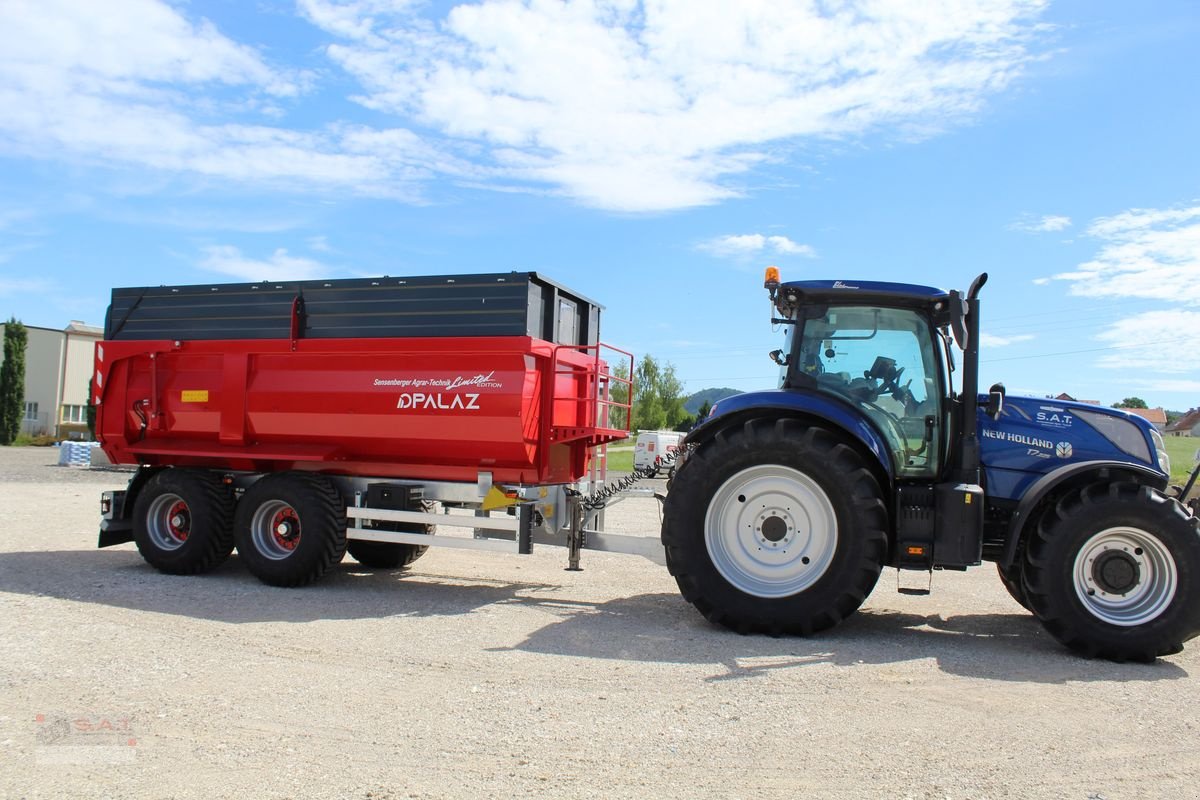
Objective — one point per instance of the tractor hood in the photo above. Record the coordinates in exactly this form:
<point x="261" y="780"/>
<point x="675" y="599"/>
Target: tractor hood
<point x="1035" y="436"/>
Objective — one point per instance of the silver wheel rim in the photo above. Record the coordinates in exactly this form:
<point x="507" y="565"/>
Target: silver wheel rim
<point x="1125" y="576"/>
<point x="267" y="530"/>
<point x="168" y="522"/>
<point x="771" y="531"/>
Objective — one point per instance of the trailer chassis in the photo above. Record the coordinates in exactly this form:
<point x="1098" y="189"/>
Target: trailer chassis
<point x="555" y="516"/>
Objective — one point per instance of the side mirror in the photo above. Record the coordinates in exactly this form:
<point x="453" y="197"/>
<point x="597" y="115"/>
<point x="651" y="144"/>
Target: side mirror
<point x="958" y="318"/>
<point x="995" y="403"/>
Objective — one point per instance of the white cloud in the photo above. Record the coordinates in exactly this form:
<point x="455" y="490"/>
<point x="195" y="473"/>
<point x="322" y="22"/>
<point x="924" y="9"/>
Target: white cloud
<point x="125" y="48"/>
<point x="1148" y="254"/>
<point x="750" y="244"/>
<point x="631" y="105"/>
<point x="642" y="106"/>
<point x="138" y="84"/>
<point x="992" y="340"/>
<point x="1051" y="223"/>
<point x="1145" y="253"/>
<point x="1157" y="341"/>
<point x="782" y="244"/>
<point x="228" y="260"/>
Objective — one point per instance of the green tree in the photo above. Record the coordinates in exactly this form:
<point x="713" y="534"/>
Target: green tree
<point x="12" y="381"/>
<point x="657" y="396"/>
<point x="1131" y="402"/>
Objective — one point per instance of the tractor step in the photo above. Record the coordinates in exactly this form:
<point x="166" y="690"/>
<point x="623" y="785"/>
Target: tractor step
<point x="913" y="585"/>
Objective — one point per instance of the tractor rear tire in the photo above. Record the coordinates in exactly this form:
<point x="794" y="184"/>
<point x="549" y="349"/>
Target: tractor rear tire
<point x="182" y="521"/>
<point x="290" y="528"/>
<point x="1014" y="583"/>
<point x="775" y="527"/>
<point x="1113" y="571"/>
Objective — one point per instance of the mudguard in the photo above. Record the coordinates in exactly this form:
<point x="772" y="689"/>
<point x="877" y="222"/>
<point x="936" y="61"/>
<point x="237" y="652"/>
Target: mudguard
<point x="1052" y="480"/>
<point x="117" y="527"/>
<point x="757" y="404"/>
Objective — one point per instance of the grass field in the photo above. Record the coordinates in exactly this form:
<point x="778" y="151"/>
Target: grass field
<point x="620" y="460"/>
<point x="1182" y="450"/>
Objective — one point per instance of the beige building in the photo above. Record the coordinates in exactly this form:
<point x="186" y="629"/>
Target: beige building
<point x="58" y="365"/>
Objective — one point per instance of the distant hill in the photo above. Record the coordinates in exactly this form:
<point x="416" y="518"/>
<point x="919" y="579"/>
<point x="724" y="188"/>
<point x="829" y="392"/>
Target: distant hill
<point x="693" y="403"/>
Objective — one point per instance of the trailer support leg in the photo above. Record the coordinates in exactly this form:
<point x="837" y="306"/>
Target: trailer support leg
<point x="575" y="540"/>
<point x="524" y="529"/>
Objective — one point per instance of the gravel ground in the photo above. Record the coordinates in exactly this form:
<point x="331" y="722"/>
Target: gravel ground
<point x="478" y="675"/>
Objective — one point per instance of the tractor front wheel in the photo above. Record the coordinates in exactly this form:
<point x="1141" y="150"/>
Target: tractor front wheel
<point x="1113" y="572"/>
<point x="775" y="527"/>
<point x="1014" y="583"/>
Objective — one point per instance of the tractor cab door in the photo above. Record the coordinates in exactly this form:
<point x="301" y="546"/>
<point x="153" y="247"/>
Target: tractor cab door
<point x="882" y="361"/>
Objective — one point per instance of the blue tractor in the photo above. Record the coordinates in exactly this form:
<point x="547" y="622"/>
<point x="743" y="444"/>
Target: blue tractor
<point x="787" y="503"/>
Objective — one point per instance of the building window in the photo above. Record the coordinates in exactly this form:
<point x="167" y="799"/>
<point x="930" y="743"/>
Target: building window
<point x="77" y="414"/>
<point x="31" y="410"/>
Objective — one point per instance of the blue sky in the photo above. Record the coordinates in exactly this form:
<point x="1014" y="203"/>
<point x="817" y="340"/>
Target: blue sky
<point x="654" y="156"/>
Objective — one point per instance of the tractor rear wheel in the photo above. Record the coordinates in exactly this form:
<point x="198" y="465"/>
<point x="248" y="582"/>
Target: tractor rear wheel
<point x="1113" y="572"/>
<point x="290" y="528"/>
<point x="775" y="527"/>
<point x="182" y="521"/>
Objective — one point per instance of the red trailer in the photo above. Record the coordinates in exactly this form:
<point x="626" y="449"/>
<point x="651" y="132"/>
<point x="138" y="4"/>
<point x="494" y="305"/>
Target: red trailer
<point x="297" y="420"/>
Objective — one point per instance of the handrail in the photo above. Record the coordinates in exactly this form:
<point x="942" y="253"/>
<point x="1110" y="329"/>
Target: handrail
<point x="596" y="397"/>
<point x="598" y="393"/>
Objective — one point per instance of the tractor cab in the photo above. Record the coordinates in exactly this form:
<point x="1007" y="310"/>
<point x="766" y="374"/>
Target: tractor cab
<point x="881" y="348"/>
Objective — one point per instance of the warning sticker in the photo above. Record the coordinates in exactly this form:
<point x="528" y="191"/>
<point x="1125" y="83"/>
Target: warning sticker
<point x="195" y="396"/>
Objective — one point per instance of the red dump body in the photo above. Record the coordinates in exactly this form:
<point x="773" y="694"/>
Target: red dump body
<point x="438" y="408"/>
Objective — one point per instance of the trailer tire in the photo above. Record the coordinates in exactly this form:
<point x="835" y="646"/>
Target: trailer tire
<point x="813" y="491"/>
<point x="1113" y="571"/>
<point x="383" y="555"/>
<point x="290" y="528"/>
<point x="388" y="555"/>
<point x="1011" y="578"/>
<point x="182" y="521"/>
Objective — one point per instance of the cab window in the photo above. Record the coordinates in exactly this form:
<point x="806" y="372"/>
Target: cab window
<point x="882" y="361"/>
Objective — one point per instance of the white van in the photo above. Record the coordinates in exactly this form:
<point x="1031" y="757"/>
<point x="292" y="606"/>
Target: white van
<point x="651" y="449"/>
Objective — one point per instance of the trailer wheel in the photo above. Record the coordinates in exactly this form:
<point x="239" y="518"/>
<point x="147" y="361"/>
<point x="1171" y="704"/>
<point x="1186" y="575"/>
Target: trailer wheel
<point x="1013" y="582"/>
<point x="384" y="555"/>
<point x="290" y="528"/>
<point x="1113" y="572"/>
<point x="775" y="527"/>
<point x="182" y="522"/>
<point x="387" y="555"/>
